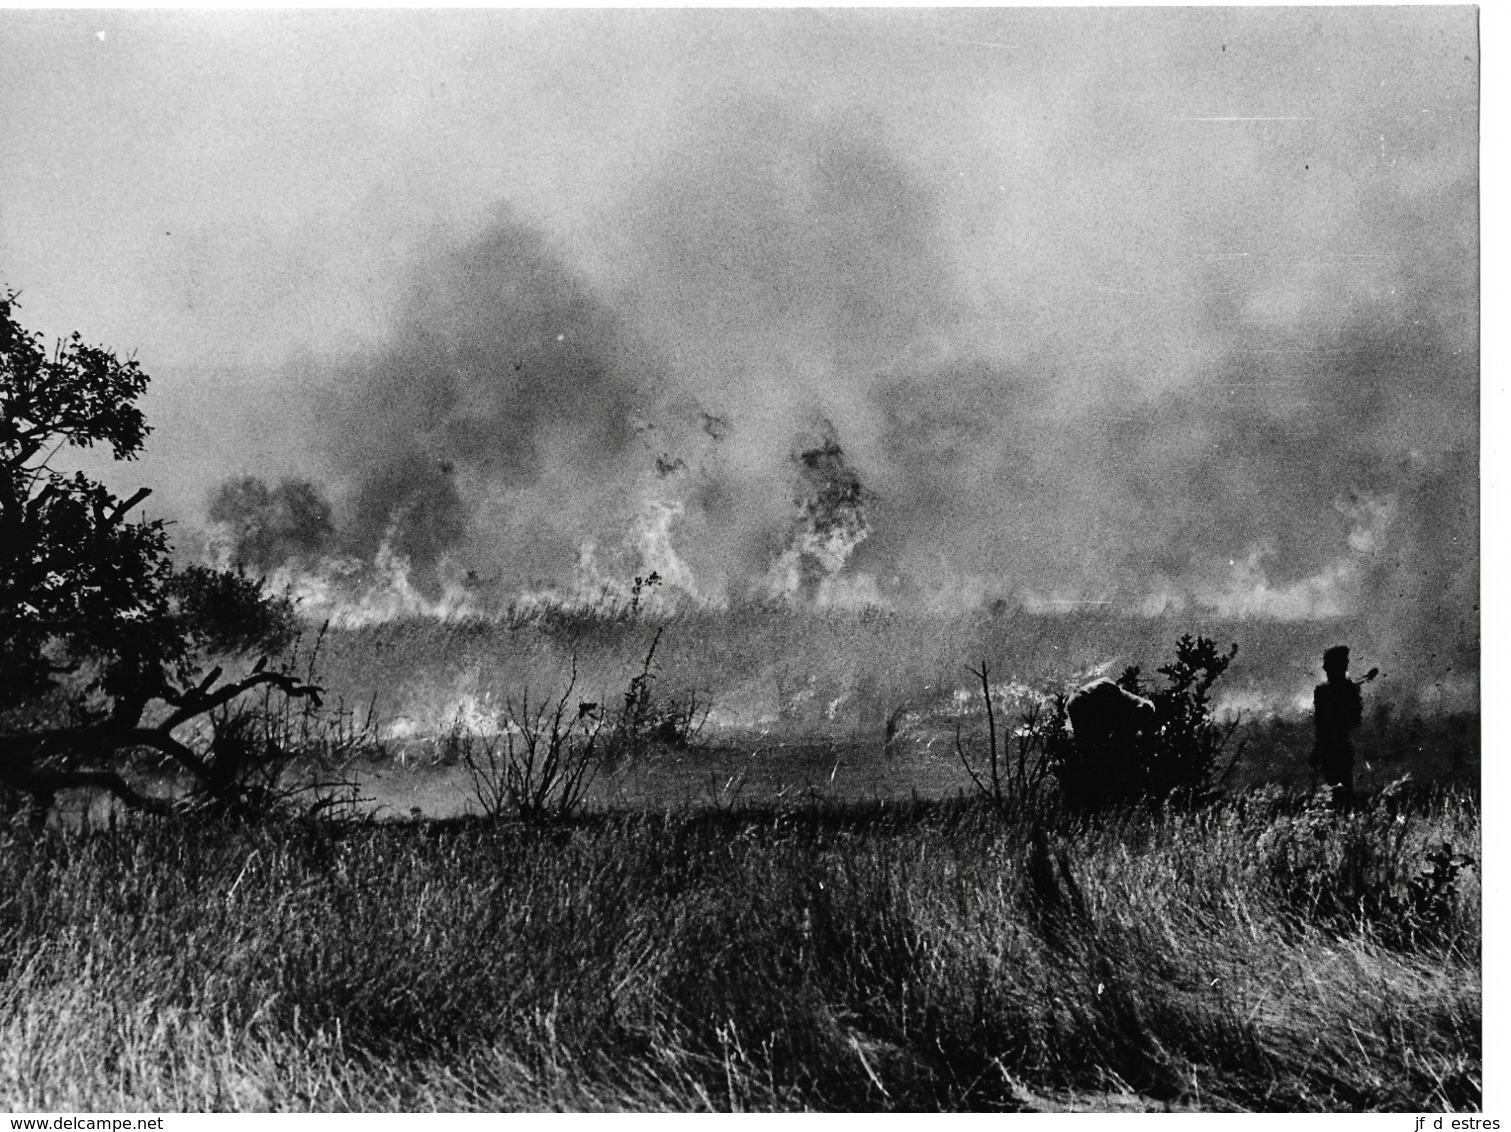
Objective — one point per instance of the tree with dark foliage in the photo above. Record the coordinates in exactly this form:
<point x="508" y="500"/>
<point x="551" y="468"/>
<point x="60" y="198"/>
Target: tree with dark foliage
<point x="101" y="638"/>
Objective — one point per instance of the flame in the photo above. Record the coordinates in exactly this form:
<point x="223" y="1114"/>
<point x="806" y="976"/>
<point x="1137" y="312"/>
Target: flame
<point x="646" y="571"/>
<point x="351" y="594"/>
<point x="814" y="561"/>
<point x="471" y="712"/>
<point x="645" y="551"/>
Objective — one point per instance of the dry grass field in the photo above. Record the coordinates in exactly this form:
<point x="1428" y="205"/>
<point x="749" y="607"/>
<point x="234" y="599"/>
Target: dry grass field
<point x="798" y="903"/>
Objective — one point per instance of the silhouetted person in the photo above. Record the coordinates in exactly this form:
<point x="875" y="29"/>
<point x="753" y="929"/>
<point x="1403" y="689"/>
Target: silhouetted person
<point x="1337" y="709"/>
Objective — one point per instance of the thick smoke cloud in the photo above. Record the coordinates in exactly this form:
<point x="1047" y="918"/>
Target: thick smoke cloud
<point x="270" y="527"/>
<point x="790" y="382"/>
<point x="498" y="426"/>
<point x="789" y="263"/>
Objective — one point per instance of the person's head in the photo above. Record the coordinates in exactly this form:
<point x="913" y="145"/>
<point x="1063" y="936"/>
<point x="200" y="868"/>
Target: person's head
<point x="1335" y="662"/>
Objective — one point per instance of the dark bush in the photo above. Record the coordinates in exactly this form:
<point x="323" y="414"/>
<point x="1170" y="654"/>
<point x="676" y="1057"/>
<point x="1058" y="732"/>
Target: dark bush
<point x="1182" y="760"/>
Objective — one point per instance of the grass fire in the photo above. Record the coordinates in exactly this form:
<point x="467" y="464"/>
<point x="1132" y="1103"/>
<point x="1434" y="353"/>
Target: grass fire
<point x="741" y="561"/>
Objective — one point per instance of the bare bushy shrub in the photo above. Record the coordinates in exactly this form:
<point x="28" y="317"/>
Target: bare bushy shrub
<point x="1014" y="771"/>
<point x="540" y="762"/>
<point x="646" y="719"/>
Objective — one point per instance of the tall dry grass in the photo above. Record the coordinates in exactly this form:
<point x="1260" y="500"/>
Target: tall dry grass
<point x="1263" y="954"/>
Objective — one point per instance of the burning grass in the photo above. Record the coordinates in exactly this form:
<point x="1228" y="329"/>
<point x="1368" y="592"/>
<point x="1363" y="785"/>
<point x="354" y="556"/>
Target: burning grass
<point x="882" y="691"/>
<point x="766" y="663"/>
<point x="1262" y="954"/>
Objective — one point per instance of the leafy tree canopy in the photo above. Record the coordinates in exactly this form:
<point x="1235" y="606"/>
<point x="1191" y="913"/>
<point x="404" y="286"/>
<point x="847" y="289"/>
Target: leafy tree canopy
<point x="96" y="624"/>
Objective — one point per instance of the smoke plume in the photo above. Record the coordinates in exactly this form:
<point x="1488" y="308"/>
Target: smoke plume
<point x="266" y="528"/>
<point x="789" y="384"/>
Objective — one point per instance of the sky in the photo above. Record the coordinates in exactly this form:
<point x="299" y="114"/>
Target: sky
<point x="1167" y="308"/>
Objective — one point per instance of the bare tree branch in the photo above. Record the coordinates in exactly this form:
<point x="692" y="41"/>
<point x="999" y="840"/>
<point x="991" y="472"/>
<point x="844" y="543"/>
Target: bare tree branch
<point x="21" y="753"/>
<point x="196" y="701"/>
<point x="120" y="510"/>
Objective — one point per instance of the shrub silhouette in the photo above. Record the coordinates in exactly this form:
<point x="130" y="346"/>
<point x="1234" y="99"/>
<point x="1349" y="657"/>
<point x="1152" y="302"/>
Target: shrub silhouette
<point x="1180" y="759"/>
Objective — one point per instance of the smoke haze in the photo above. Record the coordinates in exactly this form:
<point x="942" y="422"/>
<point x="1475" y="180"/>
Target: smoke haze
<point x="1171" y="309"/>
